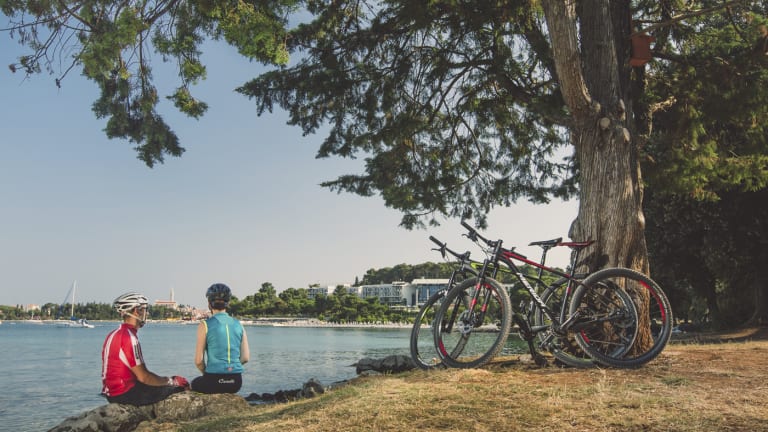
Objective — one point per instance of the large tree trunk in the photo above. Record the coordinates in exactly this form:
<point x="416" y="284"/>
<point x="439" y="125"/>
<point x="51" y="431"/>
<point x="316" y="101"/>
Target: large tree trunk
<point x="594" y="84"/>
<point x="610" y="210"/>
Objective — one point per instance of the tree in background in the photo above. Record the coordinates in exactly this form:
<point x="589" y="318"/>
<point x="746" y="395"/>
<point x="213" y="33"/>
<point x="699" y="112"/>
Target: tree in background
<point x="705" y="155"/>
<point x="709" y="256"/>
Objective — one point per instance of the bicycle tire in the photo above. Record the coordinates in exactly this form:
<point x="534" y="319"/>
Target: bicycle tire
<point x="468" y="335"/>
<point x="654" y="313"/>
<point x="423" y="352"/>
<point x="565" y="349"/>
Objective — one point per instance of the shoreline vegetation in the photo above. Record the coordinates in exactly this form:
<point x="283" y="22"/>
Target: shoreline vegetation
<point x="261" y="322"/>
<point x="705" y="381"/>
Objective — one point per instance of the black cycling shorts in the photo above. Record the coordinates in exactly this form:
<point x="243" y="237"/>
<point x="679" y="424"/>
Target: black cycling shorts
<point x="142" y="394"/>
<point x="217" y="383"/>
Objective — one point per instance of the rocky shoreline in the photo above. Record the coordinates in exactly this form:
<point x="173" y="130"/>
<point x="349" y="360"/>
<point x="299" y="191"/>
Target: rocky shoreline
<point x="192" y="405"/>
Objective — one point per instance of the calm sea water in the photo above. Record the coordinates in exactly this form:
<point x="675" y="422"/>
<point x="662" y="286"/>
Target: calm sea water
<point x="51" y="373"/>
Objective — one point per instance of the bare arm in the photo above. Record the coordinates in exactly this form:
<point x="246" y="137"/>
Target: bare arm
<point x="149" y="378"/>
<point x="200" y="347"/>
<point x="245" y="353"/>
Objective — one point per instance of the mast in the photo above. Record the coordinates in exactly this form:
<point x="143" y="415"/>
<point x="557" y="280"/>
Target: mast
<point x="74" y="287"/>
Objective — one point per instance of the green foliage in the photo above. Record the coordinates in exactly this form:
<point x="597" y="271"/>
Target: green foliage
<point x="711" y="253"/>
<point x="710" y="124"/>
<point x="114" y="43"/>
<point x="453" y="105"/>
<point x="706" y="164"/>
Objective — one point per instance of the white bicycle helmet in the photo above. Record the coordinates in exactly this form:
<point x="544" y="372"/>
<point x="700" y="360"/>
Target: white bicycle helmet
<point x="128" y="301"/>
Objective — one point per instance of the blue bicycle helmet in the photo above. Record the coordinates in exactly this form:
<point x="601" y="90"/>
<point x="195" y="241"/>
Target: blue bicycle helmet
<point x="219" y="294"/>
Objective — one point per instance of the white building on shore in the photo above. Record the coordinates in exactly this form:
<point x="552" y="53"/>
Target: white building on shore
<point x="408" y="294"/>
<point x="393" y="294"/>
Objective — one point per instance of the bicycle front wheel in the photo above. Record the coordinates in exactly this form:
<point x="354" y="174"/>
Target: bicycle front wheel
<point x="468" y="333"/>
<point x="423" y="351"/>
<point x="654" y="317"/>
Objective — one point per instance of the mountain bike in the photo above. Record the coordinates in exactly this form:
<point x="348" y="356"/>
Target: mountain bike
<point x="422" y="342"/>
<point x="422" y="345"/>
<point x="471" y="332"/>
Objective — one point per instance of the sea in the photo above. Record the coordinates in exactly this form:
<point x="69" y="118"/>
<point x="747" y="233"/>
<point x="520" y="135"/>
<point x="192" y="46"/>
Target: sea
<point x="50" y="373"/>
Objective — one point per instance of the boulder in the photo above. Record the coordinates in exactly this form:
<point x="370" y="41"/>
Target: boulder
<point x="177" y="407"/>
<point x="389" y="364"/>
<point x="310" y="389"/>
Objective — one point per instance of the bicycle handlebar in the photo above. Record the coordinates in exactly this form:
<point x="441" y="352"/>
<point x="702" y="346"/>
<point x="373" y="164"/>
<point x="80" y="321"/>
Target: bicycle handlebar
<point x="444" y="247"/>
<point x="474" y="235"/>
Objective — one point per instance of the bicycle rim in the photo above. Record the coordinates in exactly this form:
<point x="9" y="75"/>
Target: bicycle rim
<point x="654" y="315"/>
<point x="470" y="335"/>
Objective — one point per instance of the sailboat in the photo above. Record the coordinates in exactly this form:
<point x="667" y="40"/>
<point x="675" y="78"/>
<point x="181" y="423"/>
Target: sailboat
<point x="73" y="321"/>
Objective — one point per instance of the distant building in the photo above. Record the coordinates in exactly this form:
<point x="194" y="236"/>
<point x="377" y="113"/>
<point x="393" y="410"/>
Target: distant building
<point x="420" y="290"/>
<point x="391" y="294"/>
<point x="394" y="294"/>
<point x="316" y="290"/>
<point x="326" y="290"/>
<point x="170" y="304"/>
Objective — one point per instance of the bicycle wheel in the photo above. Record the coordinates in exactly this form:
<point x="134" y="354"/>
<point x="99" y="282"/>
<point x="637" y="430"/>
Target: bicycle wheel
<point x="606" y="323"/>
<point x="565" y="349"/>
<point x="654" y="317"/>
<point x="469" y="334"/>
<point x="423" y="352"/>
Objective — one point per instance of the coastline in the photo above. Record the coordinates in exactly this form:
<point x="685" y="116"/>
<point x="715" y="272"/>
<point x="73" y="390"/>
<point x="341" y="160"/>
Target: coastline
<point x="315" y="323"/>
<point x="259" y="322"/>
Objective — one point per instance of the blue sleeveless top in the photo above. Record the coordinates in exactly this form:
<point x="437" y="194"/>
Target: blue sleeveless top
<point x="223" y="335"/>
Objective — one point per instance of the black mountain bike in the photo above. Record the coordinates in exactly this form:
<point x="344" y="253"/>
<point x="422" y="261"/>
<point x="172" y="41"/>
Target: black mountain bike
<point x="475" y="317"/>
<point x="422" y="342"/>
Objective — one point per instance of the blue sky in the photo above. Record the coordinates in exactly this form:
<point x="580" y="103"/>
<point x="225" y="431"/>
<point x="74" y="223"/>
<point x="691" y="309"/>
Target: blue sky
<point x="242" y="206"/>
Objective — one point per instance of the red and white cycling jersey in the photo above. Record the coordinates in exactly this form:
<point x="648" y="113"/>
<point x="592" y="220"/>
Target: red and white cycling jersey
<point x="120" y="353"/>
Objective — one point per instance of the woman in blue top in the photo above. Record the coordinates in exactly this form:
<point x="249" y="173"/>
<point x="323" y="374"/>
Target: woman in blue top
<point x="222" y="346"/>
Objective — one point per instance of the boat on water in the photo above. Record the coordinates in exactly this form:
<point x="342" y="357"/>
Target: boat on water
<point x="73" y="322"/>
<point x="76" y="323"/>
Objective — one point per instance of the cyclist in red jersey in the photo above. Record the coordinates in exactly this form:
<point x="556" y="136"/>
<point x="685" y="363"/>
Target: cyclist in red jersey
<point x="124" y="375"/>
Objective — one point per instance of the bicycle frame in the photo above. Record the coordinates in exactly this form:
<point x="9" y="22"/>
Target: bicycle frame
<point x="499" y="254"/>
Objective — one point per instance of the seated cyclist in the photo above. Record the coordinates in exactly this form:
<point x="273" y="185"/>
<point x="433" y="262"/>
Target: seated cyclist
<point x="124" y="374"/>
<point x="222" y="346"/>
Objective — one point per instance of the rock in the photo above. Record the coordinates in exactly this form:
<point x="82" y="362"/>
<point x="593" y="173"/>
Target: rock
<point x="177" y="407"/>
<point x="310" y="389"/>
<point x="389" y="364"/>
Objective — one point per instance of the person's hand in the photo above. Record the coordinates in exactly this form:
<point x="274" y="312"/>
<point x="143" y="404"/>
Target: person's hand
<point x="179" y="381"/>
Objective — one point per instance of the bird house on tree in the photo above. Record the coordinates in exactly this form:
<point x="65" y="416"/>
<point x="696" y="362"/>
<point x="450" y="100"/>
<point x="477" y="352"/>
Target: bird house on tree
<point x="641" y="49"/>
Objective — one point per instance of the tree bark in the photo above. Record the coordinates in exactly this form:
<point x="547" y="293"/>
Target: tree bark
<point x="590" y="77"/>
<point x="610" y="205"/>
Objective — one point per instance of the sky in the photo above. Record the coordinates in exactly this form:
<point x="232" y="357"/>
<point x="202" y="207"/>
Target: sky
<point x="242" y="206"/>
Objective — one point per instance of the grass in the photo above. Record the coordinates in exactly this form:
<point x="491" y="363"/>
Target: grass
<point x="689" y="388"/>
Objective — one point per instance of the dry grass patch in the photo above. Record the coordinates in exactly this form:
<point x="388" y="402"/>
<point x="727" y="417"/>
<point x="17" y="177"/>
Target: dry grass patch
<point x="689" y="388"/>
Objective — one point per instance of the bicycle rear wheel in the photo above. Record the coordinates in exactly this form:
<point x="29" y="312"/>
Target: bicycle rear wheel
<point x="654" y="317"/>
<point x="606" y="323"/>
<point x="469" y="334"/>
